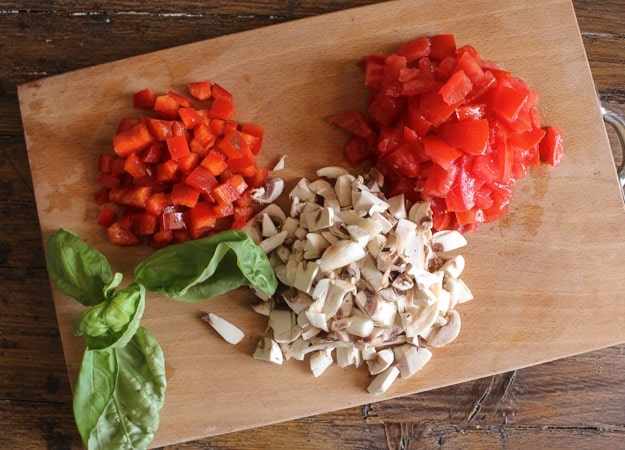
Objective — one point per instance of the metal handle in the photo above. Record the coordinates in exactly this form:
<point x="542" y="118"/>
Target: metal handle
<point x="618" y="124"/>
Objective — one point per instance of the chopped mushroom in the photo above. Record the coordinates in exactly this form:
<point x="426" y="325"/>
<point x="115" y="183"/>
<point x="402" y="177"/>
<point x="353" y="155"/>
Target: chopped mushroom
<point x="365" y="278"/>
<point x="226" y="330"/>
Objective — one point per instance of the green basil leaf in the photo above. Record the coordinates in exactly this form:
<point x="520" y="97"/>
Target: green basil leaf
<point x="119" y="392"/>
<point x="203" y="268"/>
<point x="78" y="269"/>
<point x="112" y="323"/>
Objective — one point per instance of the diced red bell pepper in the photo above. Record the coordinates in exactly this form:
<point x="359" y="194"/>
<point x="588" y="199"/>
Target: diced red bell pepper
<point x="161" y="129"/>
<point x="121" y="236"/>
<point x="201" y="218"/>
<point x="166" y="172"/>
<point x="144" y="98"/>
<point x="201" y="179"/>
<point x="184" y="195"/>
<point x="507" y="101"/>
<point x="414" y="49"/>
<point x="259" y="178"/>
<point x="223" y="210"/>
<point x="201" y="90"/>
<point x="156" y="203"/>
<point x="172" y="218"/>
<point x="215" y="162"/>
<point x="178" y="147"/>
<point x="166" y="107"/>
<point x="225" y="193"/>
<point x="136" y="196"/>
<point x="356" y="150"/>
<point x="135" y="166"/>
<point x="241" y="216"/>
<point x="132" y="140"/>
<point x="107" y="217"/>
<point x="189" y="117"/>
<point x="181" y="100"/>
<point x="258" y="132"/>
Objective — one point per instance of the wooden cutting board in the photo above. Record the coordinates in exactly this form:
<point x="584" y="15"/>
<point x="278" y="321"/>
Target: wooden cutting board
<point x="547" y="278"/>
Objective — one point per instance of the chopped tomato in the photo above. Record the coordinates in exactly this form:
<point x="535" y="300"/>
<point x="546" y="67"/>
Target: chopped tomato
<point x="445" y="126"/>
<point x="177" y="168"/>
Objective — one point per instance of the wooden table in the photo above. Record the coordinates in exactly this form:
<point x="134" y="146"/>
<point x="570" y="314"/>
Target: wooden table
<point x="577" y="402"/>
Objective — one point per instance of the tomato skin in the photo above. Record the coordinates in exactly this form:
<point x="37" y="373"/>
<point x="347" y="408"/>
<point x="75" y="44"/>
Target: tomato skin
<point x="445" y="126"/>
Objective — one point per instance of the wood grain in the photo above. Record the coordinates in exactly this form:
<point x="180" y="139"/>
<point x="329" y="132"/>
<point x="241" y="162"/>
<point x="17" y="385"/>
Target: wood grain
<point x="575" y="402"/>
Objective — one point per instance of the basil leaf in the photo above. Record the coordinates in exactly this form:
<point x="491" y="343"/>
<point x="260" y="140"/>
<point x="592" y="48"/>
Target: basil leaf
<point x="119" y="393"/>
<point x="112" y="323"/>
<point x="77" y="269"/>
<point x="204" y="268"/>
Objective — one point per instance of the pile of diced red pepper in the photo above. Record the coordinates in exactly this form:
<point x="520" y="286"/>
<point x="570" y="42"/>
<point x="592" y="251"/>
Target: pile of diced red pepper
<point x="445" y="126"/>
<point x="183" y="170"/>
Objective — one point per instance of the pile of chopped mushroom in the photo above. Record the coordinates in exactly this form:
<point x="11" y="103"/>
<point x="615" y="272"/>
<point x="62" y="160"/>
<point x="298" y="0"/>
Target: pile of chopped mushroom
<point x="364" y="280"/>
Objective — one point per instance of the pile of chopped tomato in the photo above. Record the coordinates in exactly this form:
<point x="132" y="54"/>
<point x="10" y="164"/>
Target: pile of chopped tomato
<point x="182" y="170"/>
<point x="445" y="126"/>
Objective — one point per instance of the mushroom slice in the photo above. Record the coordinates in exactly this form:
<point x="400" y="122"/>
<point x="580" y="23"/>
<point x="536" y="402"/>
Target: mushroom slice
<point x="421" y="214"/>
<point x="268" y="228"/>
<point x="331" y="172"/>
<point x="381" y="312"/>
<point x="416" y="320"/>
<point x="343" y="189"/>
<point x="280" y="164"/>
<point x="320" y="361"/>
<point x="297" y="349"/>
<point x="273" y="242"/>
<point x="348" y="356"/>
<point x="314" y="246"/>
<point x="274" y="211"/>
<point x="284" y="325"/>
<point x="226" y="330"/>
<point x="318" y="220"/>
<point x="323" y="188"/>
<point x="263" y="307"/>
<point x="365" y="200"/>
<point x="405" y="232"/>
<point x="411" y="359"/>
<point x="454" y="266"/>
<point x="337" y="292"/>
<point x="446" y="333"/>
<point x="297" y="300"/>
<point x="302" y="192"/>
<point x="384" y="358"/>
<point x="305" y="275"/>
<point x="460" y="292"/>
<point x="383" y="381"/>
<point x="360" y="326"/>
<point x="447" y="241"/>
<point x="340" y="254"/>
<point x="317" y="319"/>
<point x="268" y="350"/>
<point x="397" y="206"/>
<point x="270" y="192"/>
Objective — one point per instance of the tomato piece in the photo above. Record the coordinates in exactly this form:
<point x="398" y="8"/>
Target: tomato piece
<point x="507" y="101"/>
<point x="403" y="160"/>
<point x="456" y="88"/>
<point x="132" y="140"/>
<point x="471" y="136"/>
<point x="354" y="122"/>
<point x="121" y="236"/>
<point x="374" y="70"/>
<point x="551" y="146"/>
<point x="201" y="90"/>
<point x="439" y="181"/>
<point x="442" y="46"/>
<point x="178" y="147"/>
<point x="386" y="109"/>
<point x="356" y="150"/>
<point x="414" y="49"/>
<point x="440" y="151"/>
<point x="434" y="108"/>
